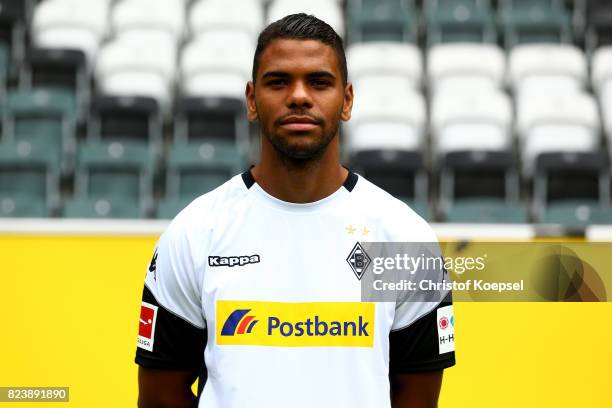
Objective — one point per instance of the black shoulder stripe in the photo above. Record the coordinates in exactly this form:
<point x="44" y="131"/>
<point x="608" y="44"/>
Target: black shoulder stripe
<point x="448" y="300"/>
<point x="177" y="344"/>
<point x="415" y="348"/>
<point x="154" y="301"/>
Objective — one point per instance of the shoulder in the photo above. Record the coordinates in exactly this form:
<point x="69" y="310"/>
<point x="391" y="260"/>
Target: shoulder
<point x="202" y="213"/>
<point x="401" y="222"/>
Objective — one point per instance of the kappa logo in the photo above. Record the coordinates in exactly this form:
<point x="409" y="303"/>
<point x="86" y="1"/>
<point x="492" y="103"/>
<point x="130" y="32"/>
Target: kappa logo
<point x="358" y="260"/>
<point x="233" y="260"/>
<point x="238" y="320"/>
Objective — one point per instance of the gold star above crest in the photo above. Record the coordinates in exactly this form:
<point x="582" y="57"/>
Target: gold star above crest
<point x="365" y="231"/>
<point x="350" y="229"/>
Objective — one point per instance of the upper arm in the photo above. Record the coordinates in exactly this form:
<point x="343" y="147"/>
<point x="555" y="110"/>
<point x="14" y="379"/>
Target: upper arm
<point x="172" y="328"/>
<point x="421" y="341"/>
<point x="418" y="354"/>
<point x="416" y="390"/>
<point x="424" y="343"/>
<point x="165" y="388"/>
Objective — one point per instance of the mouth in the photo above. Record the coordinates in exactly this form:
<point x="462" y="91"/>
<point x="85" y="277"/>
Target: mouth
<point x="299" y="123"/>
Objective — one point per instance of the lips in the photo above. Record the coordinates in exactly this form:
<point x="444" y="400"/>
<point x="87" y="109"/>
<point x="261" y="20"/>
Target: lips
<point x="299" y="123"/>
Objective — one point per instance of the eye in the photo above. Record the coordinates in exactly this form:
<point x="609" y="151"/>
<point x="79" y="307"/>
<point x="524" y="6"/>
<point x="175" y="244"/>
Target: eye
<point x="278" y="82"/>
<point x="320" y="83"/>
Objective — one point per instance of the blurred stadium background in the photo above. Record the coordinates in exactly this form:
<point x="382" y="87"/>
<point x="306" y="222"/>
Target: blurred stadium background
<point x="492" y="119"/>
<point x="472" y="111"/>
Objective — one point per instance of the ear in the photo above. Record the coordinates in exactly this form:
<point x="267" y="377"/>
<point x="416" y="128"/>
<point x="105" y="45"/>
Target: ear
<point x="348" y="102"/>
<point x="250" y="100"/>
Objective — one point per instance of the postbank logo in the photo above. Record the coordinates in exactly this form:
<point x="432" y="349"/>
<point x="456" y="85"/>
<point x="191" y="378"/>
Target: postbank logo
<point x="288" y="324"/>
<point x="238" y="323"/>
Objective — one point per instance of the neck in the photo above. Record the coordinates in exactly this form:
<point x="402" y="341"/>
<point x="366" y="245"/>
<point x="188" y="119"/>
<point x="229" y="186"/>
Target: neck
<point x="300" y="182"/>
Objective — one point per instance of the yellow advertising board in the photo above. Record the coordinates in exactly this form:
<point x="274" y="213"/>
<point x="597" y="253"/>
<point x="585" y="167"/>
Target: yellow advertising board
<point x="69" y="309"/>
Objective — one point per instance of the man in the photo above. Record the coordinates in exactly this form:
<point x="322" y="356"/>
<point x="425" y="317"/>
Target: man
<point x="251" y="281"/>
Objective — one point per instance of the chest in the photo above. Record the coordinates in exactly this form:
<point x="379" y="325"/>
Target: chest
<point x="285" y="258"/>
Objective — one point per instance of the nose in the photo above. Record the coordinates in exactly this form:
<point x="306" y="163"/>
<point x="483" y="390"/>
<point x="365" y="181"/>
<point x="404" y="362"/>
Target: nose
<point x="299" y="96"/>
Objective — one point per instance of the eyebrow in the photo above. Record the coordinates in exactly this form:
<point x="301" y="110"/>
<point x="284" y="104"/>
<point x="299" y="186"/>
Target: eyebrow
<point x="283" y="74"/>
<point x="321" y="74"/>
<point x="275" y="74"/>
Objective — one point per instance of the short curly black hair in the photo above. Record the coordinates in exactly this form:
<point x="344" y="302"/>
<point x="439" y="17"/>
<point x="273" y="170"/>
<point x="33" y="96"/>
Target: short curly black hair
<point x="301" y="27"/>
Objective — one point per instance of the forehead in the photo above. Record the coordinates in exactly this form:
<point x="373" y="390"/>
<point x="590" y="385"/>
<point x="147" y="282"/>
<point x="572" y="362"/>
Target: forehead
<point x="298" y="57"/>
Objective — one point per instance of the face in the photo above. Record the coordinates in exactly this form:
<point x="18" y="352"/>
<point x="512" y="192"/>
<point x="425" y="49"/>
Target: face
<point x="299" y="97"/>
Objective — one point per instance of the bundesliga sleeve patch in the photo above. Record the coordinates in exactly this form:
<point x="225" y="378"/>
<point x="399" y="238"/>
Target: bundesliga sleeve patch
<point x="446" y="329"/>
<point x="146" y="328"/>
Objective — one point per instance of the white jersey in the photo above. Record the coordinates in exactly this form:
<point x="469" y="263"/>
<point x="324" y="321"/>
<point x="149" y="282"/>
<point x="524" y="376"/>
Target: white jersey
<point x="261" y="297"/>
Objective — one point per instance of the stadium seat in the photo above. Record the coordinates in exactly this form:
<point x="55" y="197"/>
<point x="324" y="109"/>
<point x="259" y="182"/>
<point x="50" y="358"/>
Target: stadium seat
<point x="385" y="118"/>
<point x="602" y="84"/>
<point x="5" y="65"/>
<point x="216" y="70"/>
<point x="577" y="214"/>
<point x="129" y="69"/>
<point x="522" y="4"/>
<point x="602" y="71"/>
<point x="327" y="10"/>
<point x="45" y="118"/>
<point x="535" y="21"/>
<point x="547" y="69"/>
<point x="197" y="168"/>
<point x="29" y="180"/>
<point x="21" y="9"/>
<point x="102" y="208"/>
<point x="573" y="186"/>
<point x="158" y="23"/>
<point x="385" y="64"/>
<point x="12" y="33"/>
<point x="169" y="208"/>
<point x="459" y="21"/>
<point x="465" y="67"/>
<point x="386" y="20"/>
<point x="486" y="211"/>
<point x="480" y="186"/>
<point x="564" y="123"/>
<point x="400" y="173"/>
<point x="126" y="119"/>
<point x="197" y="120"/>
<point x="58" y="69"/>
<point x="599" y="23"/>
<point x="112" y="180"/>
<point x="70" y="24"/>
<point x="218" y="19"/>
<point x="471" y="121"/>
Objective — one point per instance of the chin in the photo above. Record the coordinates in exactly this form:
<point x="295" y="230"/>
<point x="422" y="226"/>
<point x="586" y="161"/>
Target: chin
<point x="300" y="147"/>
<point x="300" y="151"/>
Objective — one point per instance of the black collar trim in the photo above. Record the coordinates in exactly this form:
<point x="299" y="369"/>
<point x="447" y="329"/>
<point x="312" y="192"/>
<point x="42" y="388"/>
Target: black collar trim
<point x="351" y="180"/>
<point x="349" y="183"/>
<point x="248" y="178"/>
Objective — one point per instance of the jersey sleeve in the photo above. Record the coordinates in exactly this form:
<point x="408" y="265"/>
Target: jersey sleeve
<point x="172" y="328"/>
<point x="422" y="337"/>
<point x="426" y="343"/>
